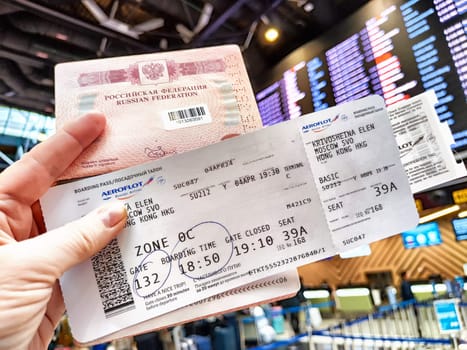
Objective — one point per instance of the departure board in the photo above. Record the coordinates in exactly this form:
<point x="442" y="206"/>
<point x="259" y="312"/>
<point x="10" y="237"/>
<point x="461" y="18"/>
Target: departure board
<point x="396" y="49"/>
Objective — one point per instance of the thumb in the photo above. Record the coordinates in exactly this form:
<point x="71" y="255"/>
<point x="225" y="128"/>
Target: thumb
<point x="77" y="241"/>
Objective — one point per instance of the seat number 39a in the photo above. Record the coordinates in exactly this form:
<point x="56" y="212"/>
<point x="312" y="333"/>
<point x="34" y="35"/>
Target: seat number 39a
<point x="382" y="189"/>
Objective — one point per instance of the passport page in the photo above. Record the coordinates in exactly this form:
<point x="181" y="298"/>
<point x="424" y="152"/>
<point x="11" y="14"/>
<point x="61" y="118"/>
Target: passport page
<point x="156" y="104"/>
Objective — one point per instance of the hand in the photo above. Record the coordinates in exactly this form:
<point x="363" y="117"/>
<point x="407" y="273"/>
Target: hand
<point x="31" y="302"/>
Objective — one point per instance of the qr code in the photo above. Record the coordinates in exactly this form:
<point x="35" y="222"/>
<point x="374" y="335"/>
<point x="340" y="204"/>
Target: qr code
<point x="114" y="289"/>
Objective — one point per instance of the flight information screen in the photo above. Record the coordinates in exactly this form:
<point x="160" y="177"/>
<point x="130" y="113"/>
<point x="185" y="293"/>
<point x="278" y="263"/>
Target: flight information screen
<point x="396" y="49"/>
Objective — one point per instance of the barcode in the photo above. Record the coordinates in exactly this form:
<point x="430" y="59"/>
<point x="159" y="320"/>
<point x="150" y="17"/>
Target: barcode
<point x="187" y="113"/>
<point x="114" y="289"/>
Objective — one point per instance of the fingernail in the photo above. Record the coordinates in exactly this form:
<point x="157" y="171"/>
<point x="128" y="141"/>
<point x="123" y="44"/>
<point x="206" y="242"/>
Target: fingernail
<point x="112" y="214"/>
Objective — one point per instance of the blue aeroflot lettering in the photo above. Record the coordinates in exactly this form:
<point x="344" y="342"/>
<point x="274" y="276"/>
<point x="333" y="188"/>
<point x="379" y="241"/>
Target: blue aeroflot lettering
<point x="320" y="125"/>
<point x="121" y="189"/>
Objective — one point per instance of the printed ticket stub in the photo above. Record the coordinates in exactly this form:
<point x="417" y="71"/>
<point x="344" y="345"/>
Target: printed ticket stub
<point x="353" y="165"/>
<point x="424" y="142"/>
<point x="266" y="290"/>
<point x="156" y="104"/>
<point x="212" y="219"/>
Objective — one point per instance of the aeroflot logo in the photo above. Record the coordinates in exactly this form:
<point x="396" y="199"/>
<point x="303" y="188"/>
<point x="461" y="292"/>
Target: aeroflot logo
<point x="320" y="125"/>
<point x="126" y="191"/>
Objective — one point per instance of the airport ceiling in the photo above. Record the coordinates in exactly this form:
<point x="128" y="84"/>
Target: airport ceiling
<point x="35" y="35"/>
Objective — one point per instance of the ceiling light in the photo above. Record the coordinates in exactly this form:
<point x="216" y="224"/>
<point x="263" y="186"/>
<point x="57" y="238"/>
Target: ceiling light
<point x="299" y="3"/>
<point x="462" y="214"/>
<point x="271" y="34"/>
<point x="265" y="19"/>
<point x="10" y="93"/>
<point x="149" y="25"/>
<point x="204" y="18"/>
<point x="61" y="36"/>
<point x="184" y="32"/>
<point x="308" y="7"/>
<point x="439" y="213"/>
<point x="95" y="10"/>
<point x="42" y="54"/>
<point x="163" y="44"/>
<point x="250" y="34"/>
<point x="187" y="34"/>
<point x="117" y="25"/>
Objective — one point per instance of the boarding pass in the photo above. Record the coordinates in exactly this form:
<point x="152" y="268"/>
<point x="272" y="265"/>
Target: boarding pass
<point x="212" y="219"/>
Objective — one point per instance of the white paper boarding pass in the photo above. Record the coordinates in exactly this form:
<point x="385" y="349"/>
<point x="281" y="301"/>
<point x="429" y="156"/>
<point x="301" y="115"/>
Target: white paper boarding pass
<point x="212" y="219"/>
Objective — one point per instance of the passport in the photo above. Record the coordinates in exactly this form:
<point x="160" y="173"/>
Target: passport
<point x="156" y="104"/>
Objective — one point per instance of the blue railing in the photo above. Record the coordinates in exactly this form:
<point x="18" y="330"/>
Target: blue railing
<point x="289" y="310"/>
<point x="380" y="313"/>
<point x="297" y="338"/>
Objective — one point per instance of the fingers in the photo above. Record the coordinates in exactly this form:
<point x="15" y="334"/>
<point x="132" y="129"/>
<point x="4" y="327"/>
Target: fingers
<point x="60" y="249"/>
<point x="30" y="177"/>
<point x="53" y="314"/>
<point x="38" y="218"/>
